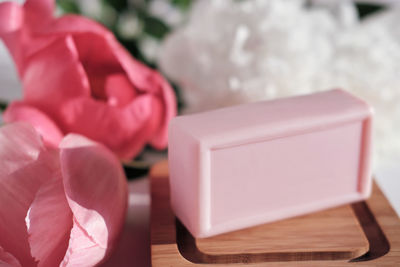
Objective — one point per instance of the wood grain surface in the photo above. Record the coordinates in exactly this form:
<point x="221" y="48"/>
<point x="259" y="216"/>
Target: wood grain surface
<point x="365" y="233"/>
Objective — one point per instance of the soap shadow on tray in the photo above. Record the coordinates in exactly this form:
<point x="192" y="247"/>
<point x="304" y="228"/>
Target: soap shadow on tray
<point x="378" y="246"/>
<point x="378" y="243"/>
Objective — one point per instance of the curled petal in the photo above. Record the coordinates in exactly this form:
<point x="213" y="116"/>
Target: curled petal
<point x="11" y="17"/>
<point x="131" y="125"/>
<point x="108" y="53"/>
<point x="11" y="23"/>
<point x="82" y="249"/>
<point x="20" y="145"/>
<point x="75" y="24"/>
<point x="167" y="111"/>
<point x="119" y="90"/>
<point x="24" y="167"/>
<point x="17" y="24"/>
<point x="139" y="74"/>
<point x="19" y="111"/>
<point x="43" y="8"/>
<point x="38" y="12"/>
<point x="49" y="223"/>
<point x="6" y="259"/>
<point x="96" y="190"/>
<point x="149" y="81"/>
<point x="17" y="191"/>
<point x="144" y="108"/>
<point x="50" y="93"/>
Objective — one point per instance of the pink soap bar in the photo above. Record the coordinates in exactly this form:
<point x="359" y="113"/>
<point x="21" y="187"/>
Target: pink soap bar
<point x="256" y="163"/>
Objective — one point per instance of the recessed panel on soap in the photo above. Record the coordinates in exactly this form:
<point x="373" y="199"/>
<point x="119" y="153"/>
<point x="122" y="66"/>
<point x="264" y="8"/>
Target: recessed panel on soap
<point x="267" y="180"/>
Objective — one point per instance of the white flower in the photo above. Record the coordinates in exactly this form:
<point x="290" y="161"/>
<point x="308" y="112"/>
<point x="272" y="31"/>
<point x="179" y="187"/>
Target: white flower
<point x="232" y="52"/>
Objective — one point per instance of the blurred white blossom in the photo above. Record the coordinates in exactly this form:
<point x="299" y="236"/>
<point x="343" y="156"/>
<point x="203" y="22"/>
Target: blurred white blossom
<point x="232" y="52"/>
<point x="129" y="25"/>
<point x="91" y="8"/>
<point x="150" y="47"/>
<point x="167" y="12"/>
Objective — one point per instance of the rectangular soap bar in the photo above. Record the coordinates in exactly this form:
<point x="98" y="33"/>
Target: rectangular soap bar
<point x="246" y="165"/>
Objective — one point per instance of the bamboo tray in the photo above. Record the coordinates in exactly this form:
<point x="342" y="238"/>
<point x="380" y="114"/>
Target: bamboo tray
<point x="365" y="233"/>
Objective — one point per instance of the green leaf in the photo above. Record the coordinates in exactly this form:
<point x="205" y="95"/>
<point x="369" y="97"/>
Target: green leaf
<point x="178" y="93"/>
<point x="69" y="6"/>
<point x="182" y="4"/>
<point x="119" y="5"/>
<point x="155" y="27"/>
<point x="136" y="169"/>
<point x="366" y="9"/>
<point x="3" y="105"/>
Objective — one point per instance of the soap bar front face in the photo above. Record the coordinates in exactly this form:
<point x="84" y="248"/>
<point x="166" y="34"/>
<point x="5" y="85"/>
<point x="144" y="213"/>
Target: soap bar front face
<point x="265" y="181"/>
<point x="228" y="177"/>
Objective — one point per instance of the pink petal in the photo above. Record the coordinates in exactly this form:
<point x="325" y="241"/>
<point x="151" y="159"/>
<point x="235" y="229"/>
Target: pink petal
<point x="101" y="54"/>
<point x="85" y="31"/>
<point x="108" y="53"/>
<point x="96" y="190"/>
<point x="139" y="74"/>
<point x="98" y="60"/>
<point x="53" y="76"/>
<point x="167" y="111"/>
<point x="82" y="250"/>
<point x="119" y="90"/>
<point x="150" y="81"/>
<point x="74" y="24"/>
<point x="20" y="145"/>
<point x="16" y="26"/>
<point x="17" y="191"/>
<point x="11" y="23"/>
<point x="6" y="259"/>
<point x="49" y="223"/>
<point x="11" y="17"/>
<point x="19" y="111"/>
<point x="131" y="125"/>
<point x="39" y="12"/>
<point x="96" y="54"/>
<point x="144" y="107"/>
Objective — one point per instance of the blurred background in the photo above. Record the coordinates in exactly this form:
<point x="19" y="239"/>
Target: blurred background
<point x="218" y="53"/>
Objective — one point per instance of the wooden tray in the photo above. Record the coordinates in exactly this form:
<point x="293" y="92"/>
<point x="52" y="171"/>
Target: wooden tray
<point x="365" y="233"/>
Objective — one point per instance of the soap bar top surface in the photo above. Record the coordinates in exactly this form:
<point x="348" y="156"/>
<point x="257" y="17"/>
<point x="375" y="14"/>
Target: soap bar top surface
<point x="275" y="117"/>
<point x="250" y="164"/>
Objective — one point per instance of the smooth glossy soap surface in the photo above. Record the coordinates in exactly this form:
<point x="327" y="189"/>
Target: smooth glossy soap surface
<point x="246" y="165"/>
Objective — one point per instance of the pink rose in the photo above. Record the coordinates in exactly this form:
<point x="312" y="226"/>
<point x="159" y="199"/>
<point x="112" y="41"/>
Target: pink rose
<point x="58" y="207"/>
<point x="78" y="79"/>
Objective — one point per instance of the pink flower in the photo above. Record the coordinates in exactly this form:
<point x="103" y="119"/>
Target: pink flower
<point x="58" y="207"/>
<point x="78" y="79"/>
